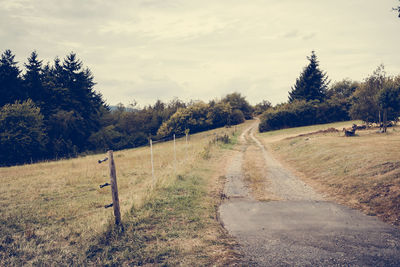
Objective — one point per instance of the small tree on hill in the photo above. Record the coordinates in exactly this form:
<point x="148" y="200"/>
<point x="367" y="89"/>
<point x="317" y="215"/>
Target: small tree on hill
<point x="312" y="83"/>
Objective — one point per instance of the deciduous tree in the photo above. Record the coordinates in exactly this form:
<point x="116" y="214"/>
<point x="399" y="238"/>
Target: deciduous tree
<point x="22" y="133"/>
<point x="365" y="105"/>
<point x="237" y="101"/>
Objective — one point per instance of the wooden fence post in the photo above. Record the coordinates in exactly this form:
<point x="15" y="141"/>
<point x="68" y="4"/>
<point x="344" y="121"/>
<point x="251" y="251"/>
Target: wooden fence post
<point x="186" y="143"/>
<point x="152" y="162"/>
<point x="114" y="188"/>
<point x="174" y="154"/>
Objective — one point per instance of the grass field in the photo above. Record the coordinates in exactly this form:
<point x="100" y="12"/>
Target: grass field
<point x="53" y="213"/>
<point x="362" y="172"/>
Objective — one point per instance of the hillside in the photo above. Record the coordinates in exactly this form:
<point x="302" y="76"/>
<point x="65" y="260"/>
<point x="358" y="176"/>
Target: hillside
<point x="53" y="212"/>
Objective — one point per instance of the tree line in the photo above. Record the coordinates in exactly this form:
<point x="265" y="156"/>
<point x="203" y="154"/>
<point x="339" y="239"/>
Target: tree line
<point x="50" y="111"/>
<point x="312" y="100"/>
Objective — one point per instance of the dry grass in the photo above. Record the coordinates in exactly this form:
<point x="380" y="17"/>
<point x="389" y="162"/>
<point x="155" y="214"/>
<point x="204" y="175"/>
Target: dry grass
<point x="52" y="213"/>
<point x="362" y="172"/>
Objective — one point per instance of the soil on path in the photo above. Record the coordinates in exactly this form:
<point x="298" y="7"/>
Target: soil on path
<point x="301" y="229"/>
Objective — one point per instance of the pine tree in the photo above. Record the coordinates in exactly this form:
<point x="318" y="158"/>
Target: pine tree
<point x="78" y="110"/>
<point x="10" y="80"/>
<point x="33" y="80"/>
<point x="312" y="83"/>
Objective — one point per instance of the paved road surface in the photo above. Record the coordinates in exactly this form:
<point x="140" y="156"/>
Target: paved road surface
<point x="302" y="229"/>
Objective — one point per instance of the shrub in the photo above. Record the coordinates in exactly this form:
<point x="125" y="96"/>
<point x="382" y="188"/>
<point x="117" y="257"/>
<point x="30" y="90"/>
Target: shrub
<point x="236" y="117"/>
<point x="193" y="118"/>
<point x="302" y="113"/>
<point x="218" y="114"/>
<point x="237" y="101"/>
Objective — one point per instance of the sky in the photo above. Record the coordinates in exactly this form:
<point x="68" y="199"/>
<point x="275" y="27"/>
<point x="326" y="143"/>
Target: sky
<point x="144" y="50"/>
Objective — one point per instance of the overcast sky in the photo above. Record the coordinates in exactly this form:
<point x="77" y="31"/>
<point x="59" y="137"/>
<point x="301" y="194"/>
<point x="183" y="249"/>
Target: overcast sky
<point x="146" y="50"/>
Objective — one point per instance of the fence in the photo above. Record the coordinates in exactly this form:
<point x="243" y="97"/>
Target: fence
<point x="179" y="145"/>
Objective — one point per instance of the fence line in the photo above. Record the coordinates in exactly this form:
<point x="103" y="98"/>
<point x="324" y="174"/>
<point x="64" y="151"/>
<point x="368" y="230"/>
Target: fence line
<point x="79" y="194"/>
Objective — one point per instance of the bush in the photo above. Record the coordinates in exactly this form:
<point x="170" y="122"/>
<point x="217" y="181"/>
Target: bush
<point x="218" y="114"/>
<point x="302" y="113"/>
<point x="261" y="107"/>
<point x="236" y="117"/>
<point x="200" y="117"/>
<point x="237" y="101"/>
<point x="193" y="118"/>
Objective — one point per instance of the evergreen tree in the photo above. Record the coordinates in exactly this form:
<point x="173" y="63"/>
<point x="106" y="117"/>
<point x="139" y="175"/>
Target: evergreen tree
<point x="33" y="80"/>
<point x="10" y="81"/>
<point x="312" y="83"/>
<point x="78" y="108"/>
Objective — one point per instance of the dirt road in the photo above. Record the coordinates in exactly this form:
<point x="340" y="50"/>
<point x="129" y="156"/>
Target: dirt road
<point x="301" y="229"/>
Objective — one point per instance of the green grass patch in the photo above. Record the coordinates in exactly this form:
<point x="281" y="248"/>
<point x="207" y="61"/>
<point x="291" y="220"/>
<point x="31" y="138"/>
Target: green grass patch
<point x="231" y="142"/>
<point x="156" y="233"/>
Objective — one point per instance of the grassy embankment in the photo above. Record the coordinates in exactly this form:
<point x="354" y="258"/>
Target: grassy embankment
<point x="362" y="172"/>
<point x="52" y="213"/>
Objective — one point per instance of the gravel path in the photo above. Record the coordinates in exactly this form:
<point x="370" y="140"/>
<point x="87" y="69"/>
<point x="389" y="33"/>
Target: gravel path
<point x="283" y="183"/>
<point x="234" y="186"/>
<point x="302" y="229"/>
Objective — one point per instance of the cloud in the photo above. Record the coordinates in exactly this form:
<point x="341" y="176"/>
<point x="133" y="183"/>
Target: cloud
<point x="149" y="49"/>
<point x="145" y="90"/>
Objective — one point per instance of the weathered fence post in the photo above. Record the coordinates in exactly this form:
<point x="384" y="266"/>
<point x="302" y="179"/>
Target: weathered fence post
<point x="174" y="154"/>
<point x="186" y="143"/>
<point x="114" y="188"/>
<point x="152" y="162"/>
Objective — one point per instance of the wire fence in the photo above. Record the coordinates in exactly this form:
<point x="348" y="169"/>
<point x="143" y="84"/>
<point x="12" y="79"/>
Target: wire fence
<point x="67" y="197"/>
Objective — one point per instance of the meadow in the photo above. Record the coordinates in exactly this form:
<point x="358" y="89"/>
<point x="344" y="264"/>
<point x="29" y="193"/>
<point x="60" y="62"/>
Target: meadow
<point x="52" y="213"/>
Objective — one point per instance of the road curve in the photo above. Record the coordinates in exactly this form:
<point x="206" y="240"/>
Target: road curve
<point x="302" y="229"/>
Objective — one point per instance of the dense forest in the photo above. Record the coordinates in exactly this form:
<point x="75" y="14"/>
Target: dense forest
<point x="50" y="111"/>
